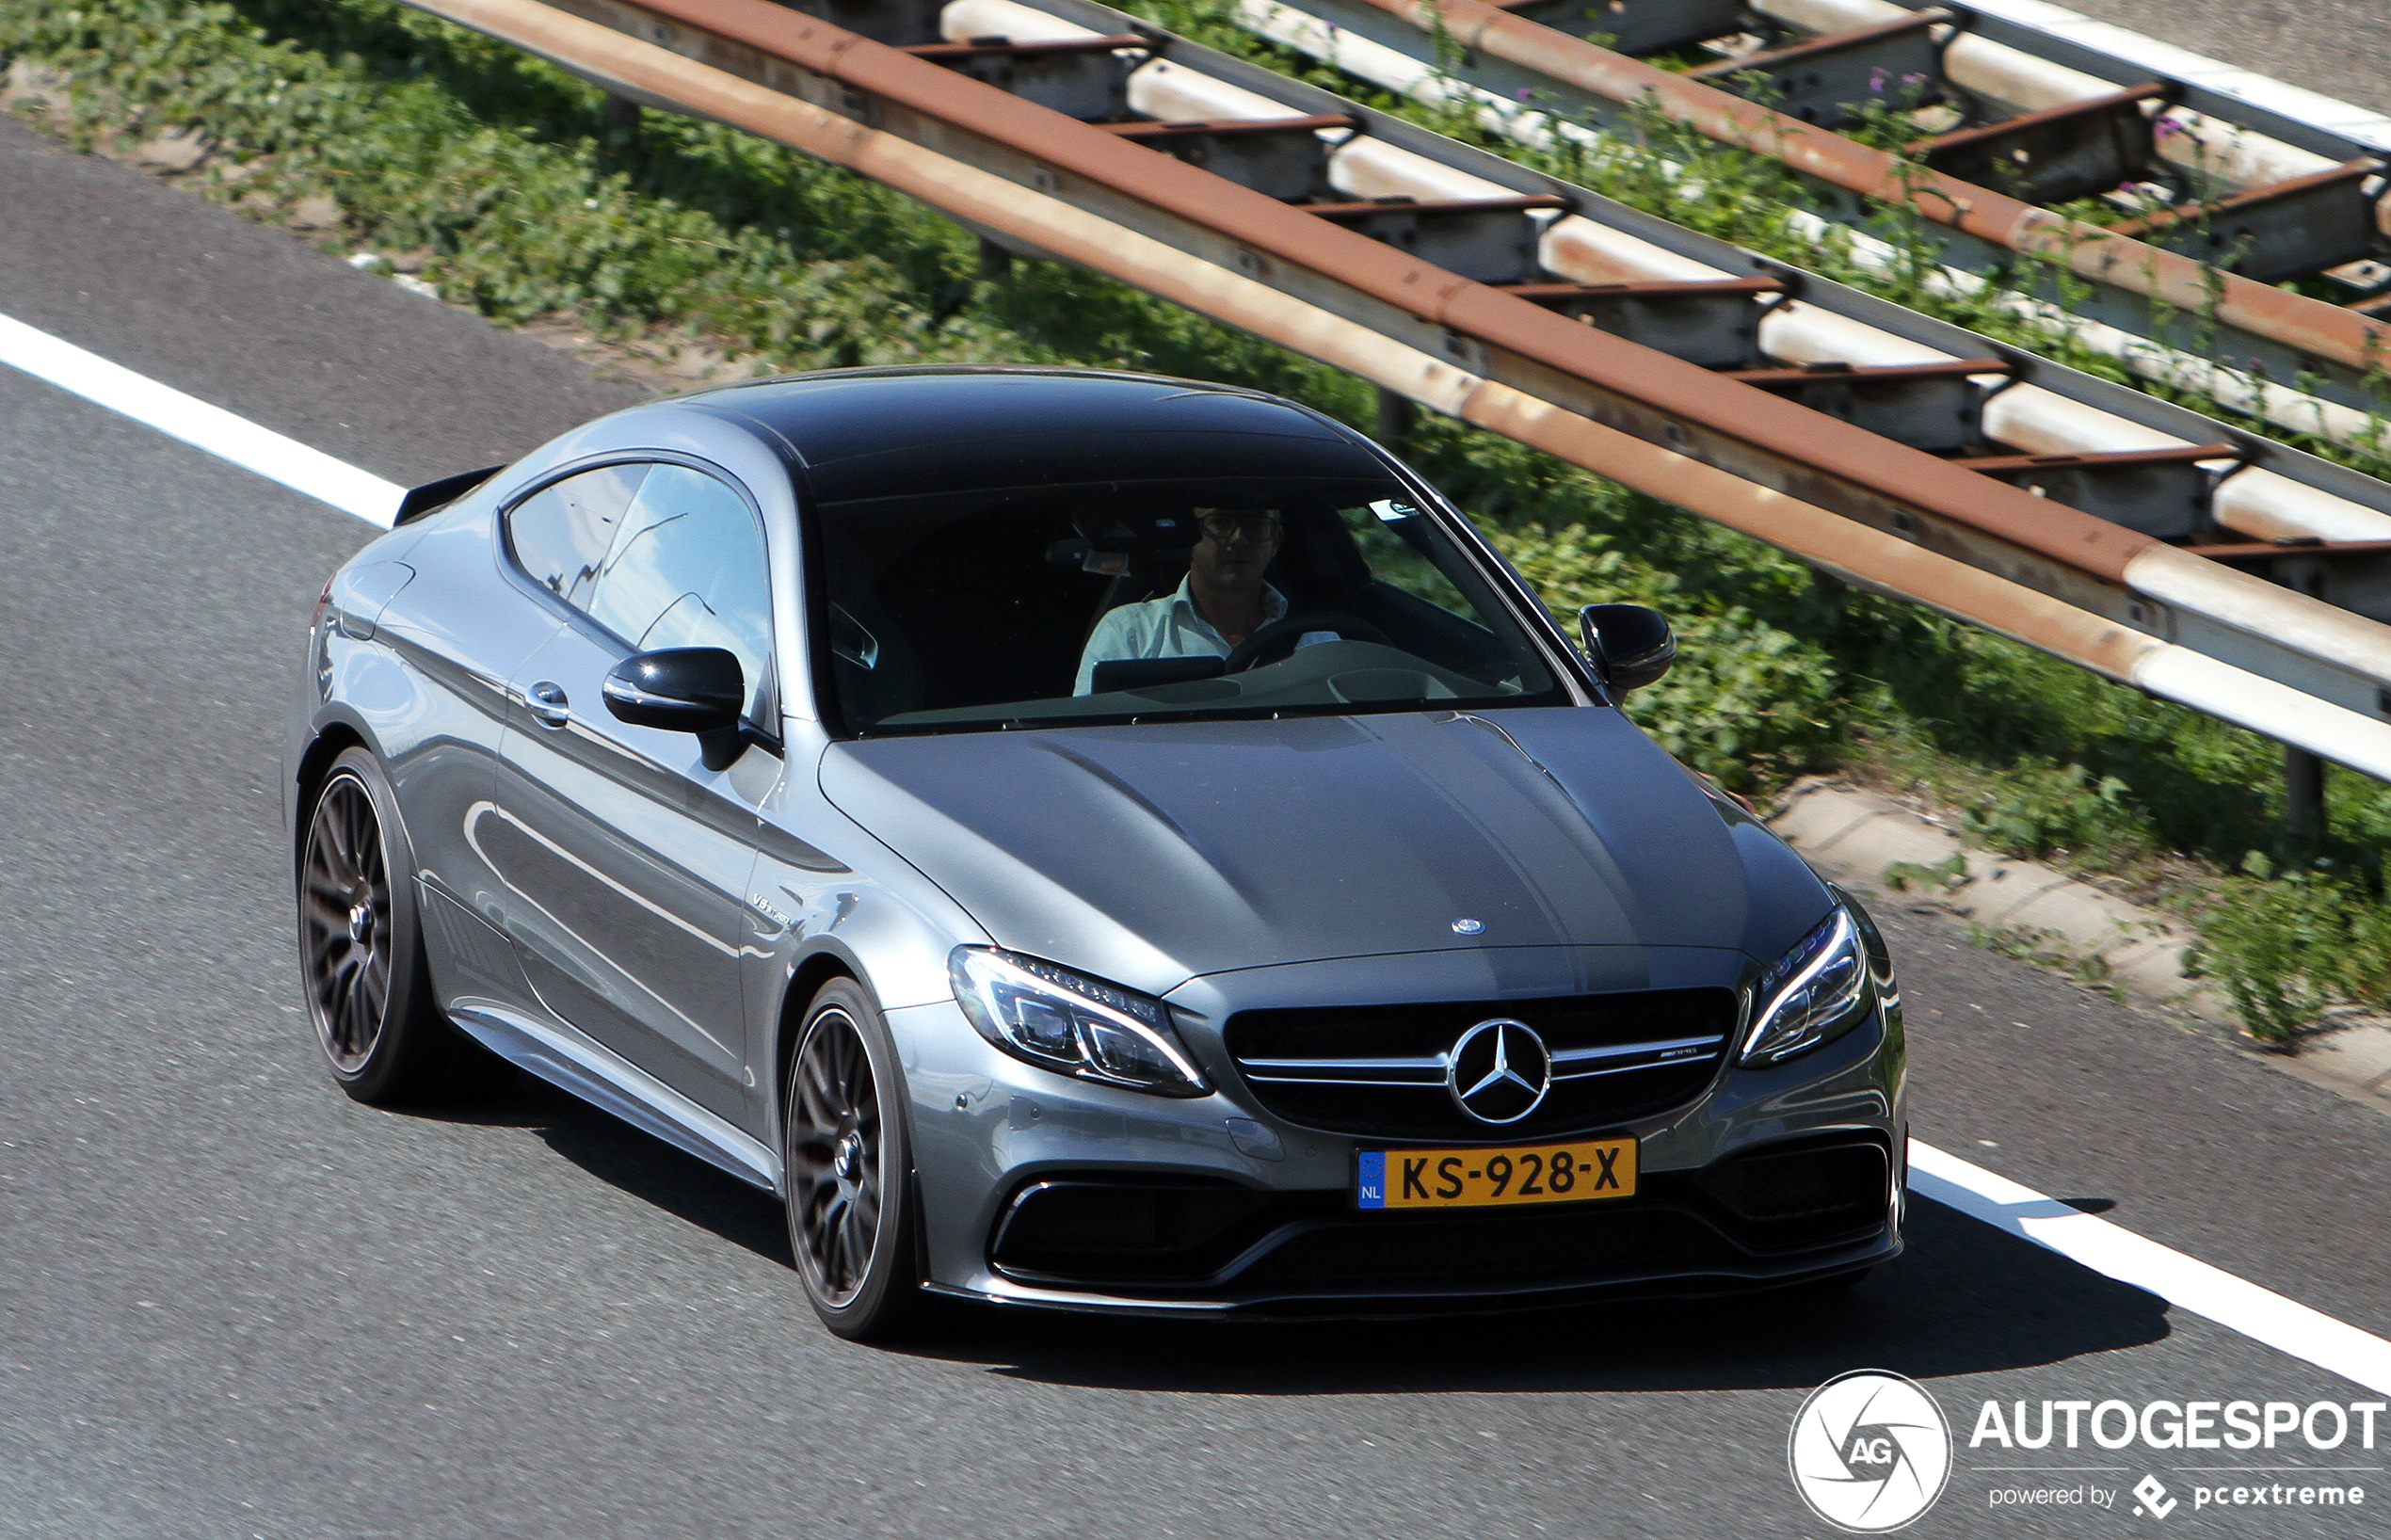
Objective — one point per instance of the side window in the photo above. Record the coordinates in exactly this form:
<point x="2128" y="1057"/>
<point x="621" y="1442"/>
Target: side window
<point x="686" y="569"/>
<point x="560" y="534"/>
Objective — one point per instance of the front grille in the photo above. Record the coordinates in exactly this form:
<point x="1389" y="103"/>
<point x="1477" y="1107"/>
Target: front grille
<point x="1379" y="1071"/>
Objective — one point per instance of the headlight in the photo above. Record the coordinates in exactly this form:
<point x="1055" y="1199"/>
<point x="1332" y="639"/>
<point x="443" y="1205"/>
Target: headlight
<point x="1071" y="1023"/>
<point x="1810" y="996"/>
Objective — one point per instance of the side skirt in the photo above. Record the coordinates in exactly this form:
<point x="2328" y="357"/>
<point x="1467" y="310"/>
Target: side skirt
<point x="570" y="1061"/>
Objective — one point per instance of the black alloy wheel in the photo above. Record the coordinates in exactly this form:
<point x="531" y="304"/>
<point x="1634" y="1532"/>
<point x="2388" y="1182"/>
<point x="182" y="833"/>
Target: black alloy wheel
<point x="344" y="923"/>
<point x="851" y="1222"/>
<point x="369" y="992"/>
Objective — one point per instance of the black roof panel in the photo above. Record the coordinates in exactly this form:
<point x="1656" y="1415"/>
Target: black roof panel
<point x="899" y="433"/>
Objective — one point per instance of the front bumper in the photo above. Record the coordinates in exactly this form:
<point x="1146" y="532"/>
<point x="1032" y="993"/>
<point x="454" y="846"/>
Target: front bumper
<point x="1328" y="1304"/>
<point x="1310" y="1254"/>
<point x="990" y="1129"/>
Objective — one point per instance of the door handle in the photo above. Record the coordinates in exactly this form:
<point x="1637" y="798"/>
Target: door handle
<point x="548" y="705"/>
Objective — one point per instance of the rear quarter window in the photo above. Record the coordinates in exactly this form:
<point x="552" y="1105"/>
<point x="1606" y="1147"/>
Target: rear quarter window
<point x="560" y="534"/>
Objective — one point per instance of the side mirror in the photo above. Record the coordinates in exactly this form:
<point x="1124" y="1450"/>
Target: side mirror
<point x="1629" y="645"/>
<point x="682" y="689"/>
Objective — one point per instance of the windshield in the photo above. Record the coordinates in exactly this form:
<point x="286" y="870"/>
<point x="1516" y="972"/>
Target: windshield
<point x="1160" y="599"/>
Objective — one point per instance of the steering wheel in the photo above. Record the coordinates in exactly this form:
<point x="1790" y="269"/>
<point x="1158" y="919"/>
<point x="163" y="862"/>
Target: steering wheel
<point x="1249" y="653"/>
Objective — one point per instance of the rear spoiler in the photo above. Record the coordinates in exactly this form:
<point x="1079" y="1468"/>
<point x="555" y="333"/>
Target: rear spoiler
<point x="433" y="495"/>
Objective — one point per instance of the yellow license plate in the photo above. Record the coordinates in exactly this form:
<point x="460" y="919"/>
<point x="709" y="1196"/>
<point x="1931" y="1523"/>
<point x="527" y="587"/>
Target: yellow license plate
<point x="1479" y="1178"/>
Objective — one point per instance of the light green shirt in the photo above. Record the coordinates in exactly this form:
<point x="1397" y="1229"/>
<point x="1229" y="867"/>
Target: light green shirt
<point x="1162" y="628"/>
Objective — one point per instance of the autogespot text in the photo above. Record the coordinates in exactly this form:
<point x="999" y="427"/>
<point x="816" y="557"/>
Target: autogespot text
<point x="2176" y="1424"/>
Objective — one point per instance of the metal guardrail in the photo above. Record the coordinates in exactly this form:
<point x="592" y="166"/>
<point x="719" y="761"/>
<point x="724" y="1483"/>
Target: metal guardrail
<point x="2222" y="166"/>
<point x="1043" y="144"/>
<point x="2058" y="412"/>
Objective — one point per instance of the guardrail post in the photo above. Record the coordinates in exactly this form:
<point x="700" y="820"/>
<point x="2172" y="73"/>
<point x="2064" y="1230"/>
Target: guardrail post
<point x="621" y="112"/>
<point x="2303" y="795"/>
<point x="996" y="261"/>
<point x="1395" y="415"/>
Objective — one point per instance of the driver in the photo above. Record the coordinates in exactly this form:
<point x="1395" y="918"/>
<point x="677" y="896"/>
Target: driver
<point x="1222" y="602"/>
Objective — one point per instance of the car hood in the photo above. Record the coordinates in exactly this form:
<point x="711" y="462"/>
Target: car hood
<point x="1153" y="853"/>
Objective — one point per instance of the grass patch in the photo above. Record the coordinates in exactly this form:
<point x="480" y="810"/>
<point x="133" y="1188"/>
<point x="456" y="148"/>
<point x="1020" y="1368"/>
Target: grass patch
<point x="2287" y="945"/>
<point x="506" y="182"/>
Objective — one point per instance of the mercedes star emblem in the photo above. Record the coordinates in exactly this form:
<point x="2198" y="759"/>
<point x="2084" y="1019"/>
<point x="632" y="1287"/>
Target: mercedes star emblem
<point x="1499" y="1072"/>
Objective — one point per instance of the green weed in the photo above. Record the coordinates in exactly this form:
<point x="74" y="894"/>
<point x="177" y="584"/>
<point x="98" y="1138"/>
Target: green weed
<point x="2287" y="944"/>
<point x="2049" y="948"/>
<point x="1941" y="878"/>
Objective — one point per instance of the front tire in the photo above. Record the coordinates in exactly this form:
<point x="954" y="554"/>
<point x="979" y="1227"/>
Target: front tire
<point x="369" y="990"/>
<point x="853" y="1222"/>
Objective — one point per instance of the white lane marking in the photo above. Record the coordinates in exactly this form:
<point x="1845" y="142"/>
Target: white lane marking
<point x="2260" y="1314"/>
<point x="198" y="423"/>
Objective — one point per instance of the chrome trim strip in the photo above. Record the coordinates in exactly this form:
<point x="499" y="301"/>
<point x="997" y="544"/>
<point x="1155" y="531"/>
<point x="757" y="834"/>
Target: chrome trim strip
<point x="1633" y="1068"/>
<point x="1434" y="1065"/>
<point x="1351" y="1071"/>
<point x="1580" y="1055"/>
<point x="1323" y="1080"/>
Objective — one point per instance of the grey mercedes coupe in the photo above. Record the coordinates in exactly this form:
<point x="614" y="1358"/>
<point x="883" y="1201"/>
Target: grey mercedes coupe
<point x="1082" y="839"/>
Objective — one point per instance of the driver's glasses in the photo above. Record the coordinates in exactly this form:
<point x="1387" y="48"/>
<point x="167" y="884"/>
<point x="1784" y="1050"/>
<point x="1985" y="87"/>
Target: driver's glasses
<point x="1225" y="527"/>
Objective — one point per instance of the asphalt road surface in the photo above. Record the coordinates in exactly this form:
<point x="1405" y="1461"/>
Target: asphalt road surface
<point x="233" y="1303"/>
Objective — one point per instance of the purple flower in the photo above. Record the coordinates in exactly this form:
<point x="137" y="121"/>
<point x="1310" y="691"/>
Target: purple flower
<point x="1876" y="81"/>
<point x="1913" y="80"/>
<point x="1527" y="93"/>
<point x="2167" y="127"/>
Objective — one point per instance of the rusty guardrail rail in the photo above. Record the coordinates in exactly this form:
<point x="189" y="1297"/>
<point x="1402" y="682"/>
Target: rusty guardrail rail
<point x="2221" y="166"/>
<point x="1345" y="285"/>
